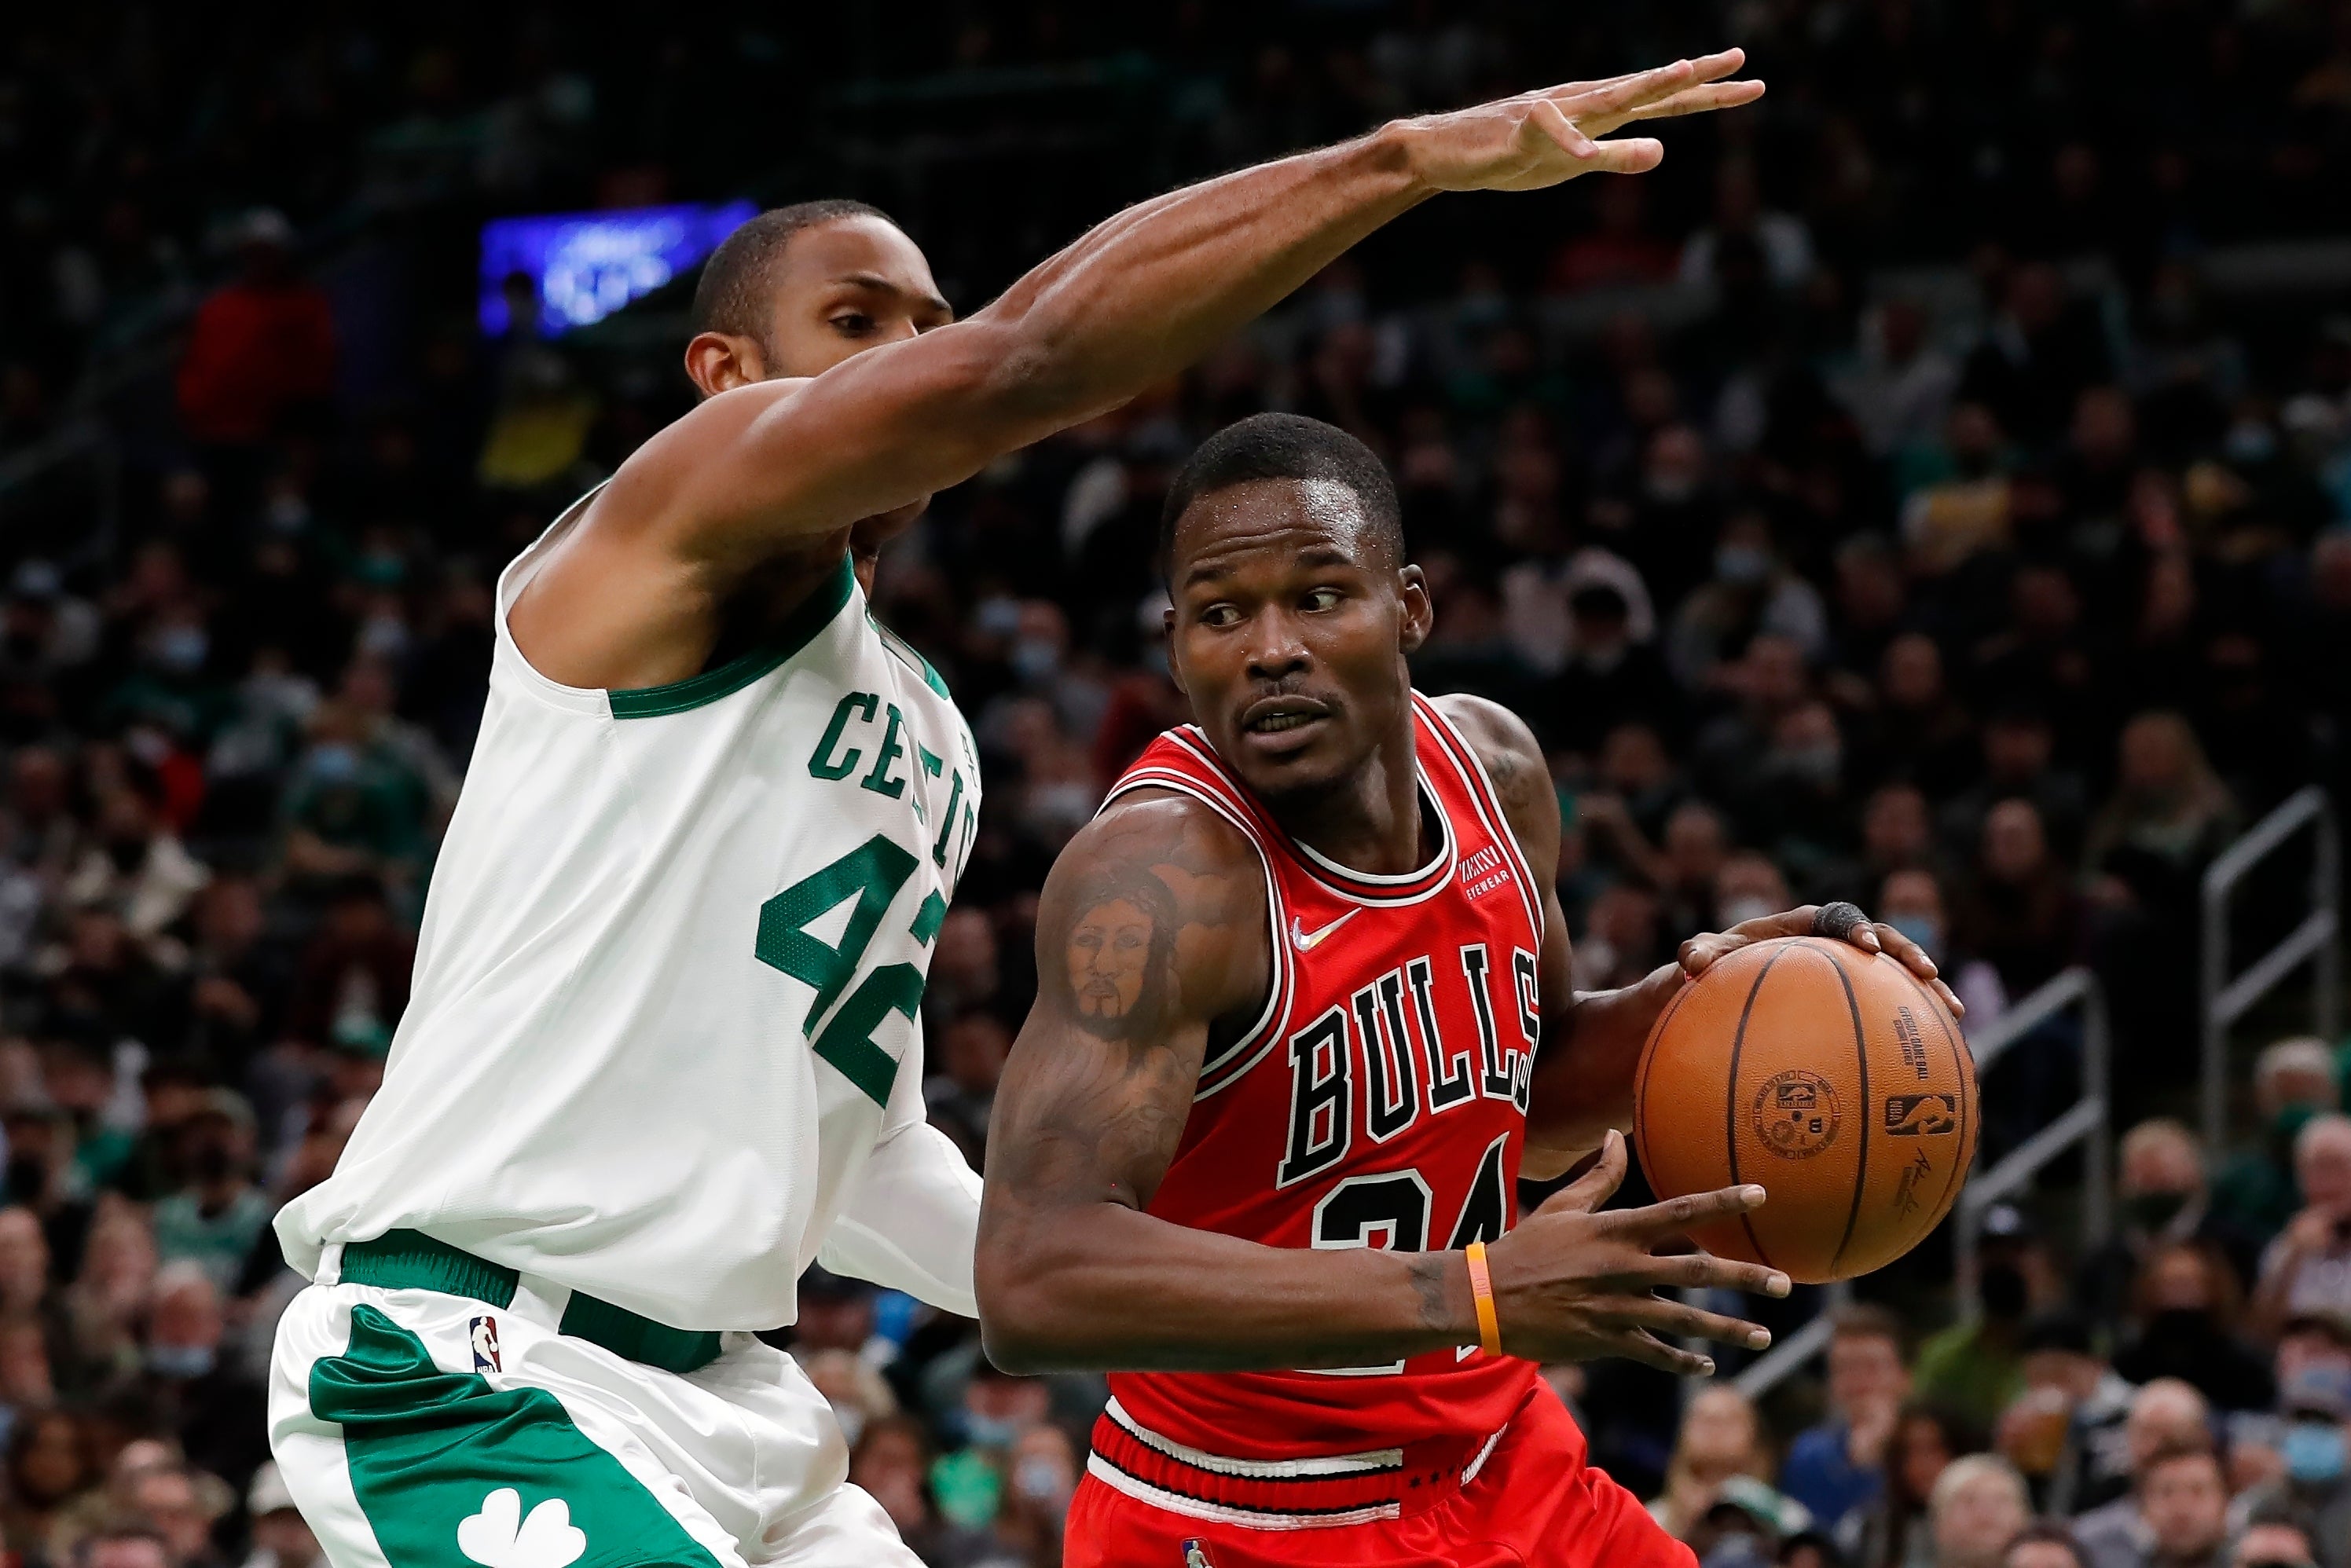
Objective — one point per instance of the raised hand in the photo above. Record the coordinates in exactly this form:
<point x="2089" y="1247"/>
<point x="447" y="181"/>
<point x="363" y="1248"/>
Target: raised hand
<point x="1571" y="1283"/>
<point x="1540" y="139"/>
<point x="1841" y="921"/>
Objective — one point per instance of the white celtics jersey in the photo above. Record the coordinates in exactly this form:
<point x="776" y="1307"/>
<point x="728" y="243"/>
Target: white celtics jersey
<point x="669" y="979"/>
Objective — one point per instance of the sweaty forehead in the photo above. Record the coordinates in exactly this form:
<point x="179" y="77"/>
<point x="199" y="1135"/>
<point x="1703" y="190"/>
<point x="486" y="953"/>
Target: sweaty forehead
<point x="1223" y="529"/>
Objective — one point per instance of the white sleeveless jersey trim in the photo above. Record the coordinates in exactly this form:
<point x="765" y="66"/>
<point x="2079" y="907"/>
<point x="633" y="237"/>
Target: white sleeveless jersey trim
<point x="668" y="978"/>
<point x="1489" y="804"/>
<point x="1374" y="890"/>
<point x="1218" y="1072"/>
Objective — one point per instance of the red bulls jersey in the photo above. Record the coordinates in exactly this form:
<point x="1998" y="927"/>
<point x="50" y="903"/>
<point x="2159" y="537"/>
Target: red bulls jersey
<point x="1380" y="1101"/>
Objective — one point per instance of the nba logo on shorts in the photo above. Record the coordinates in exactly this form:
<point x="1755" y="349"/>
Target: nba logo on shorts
<point x="1195" y="1554"/>
<point x="484" y="1336"/>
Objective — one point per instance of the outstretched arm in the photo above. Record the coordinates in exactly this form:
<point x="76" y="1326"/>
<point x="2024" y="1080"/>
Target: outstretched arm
<point x="1151" y="928"/>
<point x="1132" y="301"/>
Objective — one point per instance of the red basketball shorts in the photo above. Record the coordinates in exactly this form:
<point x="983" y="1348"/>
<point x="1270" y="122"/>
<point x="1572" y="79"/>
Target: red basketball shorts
<point x="1528" y="1501"/>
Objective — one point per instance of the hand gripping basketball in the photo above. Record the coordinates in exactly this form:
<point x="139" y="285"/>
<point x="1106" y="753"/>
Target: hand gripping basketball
<point x="1574" y="1284"/>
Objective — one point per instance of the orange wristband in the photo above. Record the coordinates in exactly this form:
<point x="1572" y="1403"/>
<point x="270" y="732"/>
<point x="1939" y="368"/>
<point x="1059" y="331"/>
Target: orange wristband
<point x="1482" y="1289"/>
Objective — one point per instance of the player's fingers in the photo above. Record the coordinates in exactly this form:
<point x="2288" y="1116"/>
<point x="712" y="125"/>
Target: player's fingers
<point x="1675" y="1216"/>
<point x="1561" y="92"/>
<point x="1904" y="951"/>
<point x="1673" y="1320"/>
<point x="1700" y="100"/>
<point x="1844" y="922"/>
<point x="1547" y="118"/>
<point x="1705" y="1271"/>
<point x="1632" y="155"/>
<point x="1644" y="1347"/>
<point x="1950" y="999"/>
<point x="1595" y="1186"/>
<point x="1641" y="87"/>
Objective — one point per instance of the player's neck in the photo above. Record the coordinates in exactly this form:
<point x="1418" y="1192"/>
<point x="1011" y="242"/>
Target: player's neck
<point x="1371" y="821"/>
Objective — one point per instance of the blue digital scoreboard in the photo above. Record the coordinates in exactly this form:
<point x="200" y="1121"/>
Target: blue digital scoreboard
<point x="586" y="265"/>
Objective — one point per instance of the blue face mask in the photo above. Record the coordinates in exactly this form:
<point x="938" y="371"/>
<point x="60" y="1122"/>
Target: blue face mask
<point x="2312" y="1452"/>
<point x="1924" y="929"/>
<point x="181" y="1361"/>
<point x="990" y="1431"/>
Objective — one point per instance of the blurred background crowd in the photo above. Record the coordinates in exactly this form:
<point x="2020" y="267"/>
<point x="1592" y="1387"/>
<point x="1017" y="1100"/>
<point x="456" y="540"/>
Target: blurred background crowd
<point x="1932" y="488"/>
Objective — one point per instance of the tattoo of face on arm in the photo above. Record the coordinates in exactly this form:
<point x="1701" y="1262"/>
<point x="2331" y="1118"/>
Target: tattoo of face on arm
<point x="1121" y="959"/>
<point x="1133" y="932"/>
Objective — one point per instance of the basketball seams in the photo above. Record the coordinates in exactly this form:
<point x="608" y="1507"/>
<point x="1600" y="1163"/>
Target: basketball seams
<point x="1861" y="1165"/>
<point x="1963" y="1067"/>
<point x="1731" y="1096"/>
<point x="1648" y="1062"/>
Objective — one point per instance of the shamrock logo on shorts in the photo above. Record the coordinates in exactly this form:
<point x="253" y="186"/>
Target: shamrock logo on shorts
<point x="499" y="1537"/>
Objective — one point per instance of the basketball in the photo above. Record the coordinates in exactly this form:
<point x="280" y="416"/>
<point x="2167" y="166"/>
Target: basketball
<point x="1829" y="1075"/>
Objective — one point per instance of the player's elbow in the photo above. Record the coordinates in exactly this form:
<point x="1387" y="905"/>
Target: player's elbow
<point x="1016" y="1298"/>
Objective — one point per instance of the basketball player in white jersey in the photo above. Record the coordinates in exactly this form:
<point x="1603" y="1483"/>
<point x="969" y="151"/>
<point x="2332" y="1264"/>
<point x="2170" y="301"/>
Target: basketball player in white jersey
<point x="662" y="1051"/>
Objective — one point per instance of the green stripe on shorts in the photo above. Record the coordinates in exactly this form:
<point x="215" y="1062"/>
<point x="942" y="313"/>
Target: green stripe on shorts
<point x="452" y="1472"/>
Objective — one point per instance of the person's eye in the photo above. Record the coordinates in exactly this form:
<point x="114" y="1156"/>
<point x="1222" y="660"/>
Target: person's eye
<point x="1222" y="617"/>
<point x="853" y="324"/>
<point x="1324" y="599"/>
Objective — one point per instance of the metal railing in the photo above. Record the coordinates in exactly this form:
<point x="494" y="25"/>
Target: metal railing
<point x="2086" y="1122"/>
<point x="1798" y="1350"/>
<point x="2089" y="1122"/>
<point x="2224" y="998"/>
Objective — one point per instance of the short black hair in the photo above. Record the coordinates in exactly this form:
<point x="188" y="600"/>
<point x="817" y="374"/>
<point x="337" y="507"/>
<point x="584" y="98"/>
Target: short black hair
<point x="731" y="295"/>
<point x="1284" y="446"/>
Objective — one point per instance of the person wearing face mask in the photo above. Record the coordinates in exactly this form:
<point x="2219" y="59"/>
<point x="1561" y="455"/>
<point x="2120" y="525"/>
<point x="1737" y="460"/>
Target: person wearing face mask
<point x="1912" y="902"/>
<point x="2185" y="1306"/>
<point x="2316" y="1486"/>
<point x="1748" y="885"/>
<point x="2161" y="1190"/>
<point x="217" y="1213"/>
<point x="1978" y="1368"/>
<point x="2308" y="1267"/>
<point x="1611" y="675"/>
<point x="1750" y="593"/>
<point x="1796" y="807"/>
<point x="201" y="1395"/>
<point x="2294" y="1080"/>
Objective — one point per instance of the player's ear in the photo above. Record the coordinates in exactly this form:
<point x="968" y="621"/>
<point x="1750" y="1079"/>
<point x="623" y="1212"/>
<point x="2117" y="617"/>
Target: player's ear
<point x="721" y="362"/>
<point x="1419" y="613"/>
<point x="1168" y="620"/>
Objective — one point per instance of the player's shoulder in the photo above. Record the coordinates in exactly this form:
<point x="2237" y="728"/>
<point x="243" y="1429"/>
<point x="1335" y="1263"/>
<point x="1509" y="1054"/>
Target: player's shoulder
<point x="1150" y="825"/>
<point x="1506" y="748"/>
<point x="1187" y="873"/>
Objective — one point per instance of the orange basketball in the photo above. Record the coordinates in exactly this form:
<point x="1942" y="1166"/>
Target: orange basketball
<point x="1829" y="1075"/>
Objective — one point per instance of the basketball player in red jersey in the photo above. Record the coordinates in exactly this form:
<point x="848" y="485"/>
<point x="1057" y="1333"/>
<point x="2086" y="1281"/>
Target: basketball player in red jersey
<point x="1302" y="1018"/>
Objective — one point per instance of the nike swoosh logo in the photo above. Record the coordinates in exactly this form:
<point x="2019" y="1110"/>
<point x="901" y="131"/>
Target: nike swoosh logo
<point x="1306" y="941"/>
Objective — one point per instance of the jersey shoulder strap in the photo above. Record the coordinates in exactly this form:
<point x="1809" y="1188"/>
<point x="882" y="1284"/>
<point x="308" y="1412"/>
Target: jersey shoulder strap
<point x="1446" y="753"/>
<point x="1181" y="761"/>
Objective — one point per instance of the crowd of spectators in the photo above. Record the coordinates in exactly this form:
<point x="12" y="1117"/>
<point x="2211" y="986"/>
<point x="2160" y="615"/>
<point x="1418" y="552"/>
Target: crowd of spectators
<point x="2198" y="1420"/>
<point x="1893" y="499"/>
